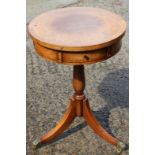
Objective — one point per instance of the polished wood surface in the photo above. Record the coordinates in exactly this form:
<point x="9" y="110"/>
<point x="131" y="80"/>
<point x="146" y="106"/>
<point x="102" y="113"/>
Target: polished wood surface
<point x="62" y="125"/>
<point x="77" y="29"/>
<point x="95" y="125"/>
<point x="78" y="36"/>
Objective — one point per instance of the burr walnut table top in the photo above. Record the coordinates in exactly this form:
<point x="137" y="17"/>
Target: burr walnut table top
<point x="77" y="29"/>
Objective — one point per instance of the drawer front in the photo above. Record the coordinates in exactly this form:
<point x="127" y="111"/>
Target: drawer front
<point x="77" y="58"/>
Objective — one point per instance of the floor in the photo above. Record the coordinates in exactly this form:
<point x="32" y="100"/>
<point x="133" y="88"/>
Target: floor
<point x="49" y="87"/>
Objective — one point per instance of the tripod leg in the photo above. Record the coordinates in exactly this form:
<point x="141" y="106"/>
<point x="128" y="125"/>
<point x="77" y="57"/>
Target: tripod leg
<point x="95" y="125"/>
<point x="61" y="126"/>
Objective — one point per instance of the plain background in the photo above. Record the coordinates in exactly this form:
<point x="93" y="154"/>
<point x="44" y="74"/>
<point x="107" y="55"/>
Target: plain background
<point x="13" y="77"/>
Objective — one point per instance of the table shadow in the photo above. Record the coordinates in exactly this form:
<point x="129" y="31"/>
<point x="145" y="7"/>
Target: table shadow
<point x="114" y="89"/>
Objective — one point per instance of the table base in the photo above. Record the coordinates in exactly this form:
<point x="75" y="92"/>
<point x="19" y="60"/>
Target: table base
<point x="79" y="106"/>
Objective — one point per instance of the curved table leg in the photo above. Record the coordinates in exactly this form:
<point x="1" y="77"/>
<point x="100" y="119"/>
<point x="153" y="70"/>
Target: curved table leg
<point x="95" y="125"/>
<point x="61" y="126"/>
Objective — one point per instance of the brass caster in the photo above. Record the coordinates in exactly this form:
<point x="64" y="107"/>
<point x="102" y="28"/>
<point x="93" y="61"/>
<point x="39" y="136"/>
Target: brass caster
<point x="36" y="143"/>
<point x="120" y="147"/>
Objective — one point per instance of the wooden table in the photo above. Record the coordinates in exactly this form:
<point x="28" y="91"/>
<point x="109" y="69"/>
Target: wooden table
<point x="78" y="36"/>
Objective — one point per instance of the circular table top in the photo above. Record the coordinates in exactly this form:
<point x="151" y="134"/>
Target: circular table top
<point x="77" y="29"/>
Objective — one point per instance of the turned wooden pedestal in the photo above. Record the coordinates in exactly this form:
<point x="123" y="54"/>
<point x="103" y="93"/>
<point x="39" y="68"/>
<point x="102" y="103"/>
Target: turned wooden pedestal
<point x="78" y="36"/>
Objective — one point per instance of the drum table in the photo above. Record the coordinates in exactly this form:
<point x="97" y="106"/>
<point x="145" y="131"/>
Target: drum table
<point x="78" y="36"/>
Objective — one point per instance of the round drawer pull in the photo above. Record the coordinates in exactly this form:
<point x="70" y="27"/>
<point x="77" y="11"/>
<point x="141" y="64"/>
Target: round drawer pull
<point x="86" y="57"/>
